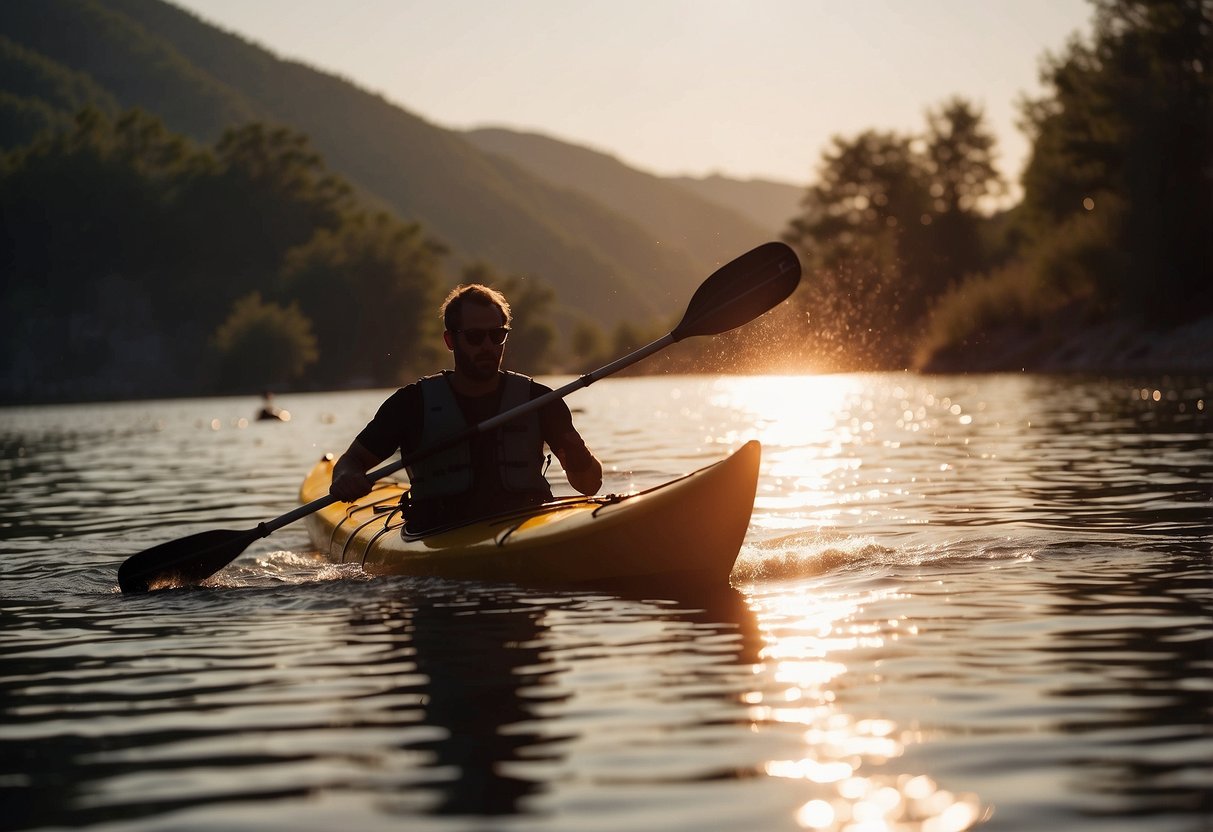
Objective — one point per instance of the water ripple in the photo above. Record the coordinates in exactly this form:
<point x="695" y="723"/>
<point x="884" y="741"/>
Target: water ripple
<point x="960" y="599"/>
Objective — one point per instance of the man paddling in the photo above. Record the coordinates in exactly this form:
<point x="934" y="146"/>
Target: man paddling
<point x="496" y="471"/>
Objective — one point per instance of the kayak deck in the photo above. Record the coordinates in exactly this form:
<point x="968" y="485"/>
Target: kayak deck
<point x="693" y="527"/>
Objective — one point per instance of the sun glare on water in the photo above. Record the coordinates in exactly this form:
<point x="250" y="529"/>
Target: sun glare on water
<point x="804" y="425"/>
<point x="828" y="444"/>
<point x="847" y="762"/>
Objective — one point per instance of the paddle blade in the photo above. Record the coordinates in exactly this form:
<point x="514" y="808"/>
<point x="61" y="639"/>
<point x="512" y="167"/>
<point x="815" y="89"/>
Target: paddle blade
<point x="183" y="562"/>
<point x="740" y="291"/>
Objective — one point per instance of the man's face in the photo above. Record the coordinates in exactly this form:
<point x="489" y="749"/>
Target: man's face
<point x="482" y="361"/>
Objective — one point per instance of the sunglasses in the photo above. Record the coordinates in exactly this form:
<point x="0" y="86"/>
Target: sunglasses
<point x="476" y="337"/>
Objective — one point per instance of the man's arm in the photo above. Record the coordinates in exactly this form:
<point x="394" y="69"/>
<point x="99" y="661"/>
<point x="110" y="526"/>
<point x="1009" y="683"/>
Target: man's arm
<point x="349" y="473"/>
<point x="582" y="468"/>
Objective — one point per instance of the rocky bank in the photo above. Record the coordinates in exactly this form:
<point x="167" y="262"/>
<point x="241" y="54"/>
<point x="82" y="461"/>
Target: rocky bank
<point x="1066" y="346"/>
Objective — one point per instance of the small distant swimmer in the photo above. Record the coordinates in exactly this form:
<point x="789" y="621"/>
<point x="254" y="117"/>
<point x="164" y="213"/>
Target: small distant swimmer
<point x="269" y="411"/>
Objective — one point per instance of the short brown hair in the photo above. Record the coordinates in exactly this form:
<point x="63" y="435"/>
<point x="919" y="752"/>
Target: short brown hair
<point x="452" y="307"/>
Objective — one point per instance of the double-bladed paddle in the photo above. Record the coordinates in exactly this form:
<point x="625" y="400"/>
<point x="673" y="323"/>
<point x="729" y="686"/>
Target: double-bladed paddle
<point x="734" y="294"/>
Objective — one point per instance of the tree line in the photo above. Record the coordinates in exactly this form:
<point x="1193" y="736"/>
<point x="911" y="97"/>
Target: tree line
<point x="1115" y="219"/>
<point x="136" y="262"/>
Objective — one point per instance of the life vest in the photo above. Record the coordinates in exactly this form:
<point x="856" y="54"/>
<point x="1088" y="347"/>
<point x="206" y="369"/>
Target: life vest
<point x="449" y="473"/>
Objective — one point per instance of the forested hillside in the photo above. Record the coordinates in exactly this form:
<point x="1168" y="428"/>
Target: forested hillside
<point x="174" y="219"/>
<point x="1110" y="243"/>
<point x="711" y="233"/>
<point x="201" y="81"/>
<point x="767" y="204"/>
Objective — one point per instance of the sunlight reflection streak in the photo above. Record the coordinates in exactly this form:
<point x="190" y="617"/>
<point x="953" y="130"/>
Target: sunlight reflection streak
<point x="809" y="638"/>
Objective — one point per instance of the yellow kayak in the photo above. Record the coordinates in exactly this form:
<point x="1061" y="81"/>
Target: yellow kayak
<point x="691" y="527"/>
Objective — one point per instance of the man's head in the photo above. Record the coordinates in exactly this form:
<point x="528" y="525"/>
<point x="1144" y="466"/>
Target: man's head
<point x="477" y="322"/>
<point x="472" y="293"/>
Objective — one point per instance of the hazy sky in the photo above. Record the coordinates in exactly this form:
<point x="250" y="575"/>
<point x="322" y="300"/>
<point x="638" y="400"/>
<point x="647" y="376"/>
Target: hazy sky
<point x="749" y="88"/>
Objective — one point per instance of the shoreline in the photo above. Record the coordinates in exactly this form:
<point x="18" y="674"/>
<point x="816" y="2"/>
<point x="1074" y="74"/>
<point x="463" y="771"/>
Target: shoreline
<point x="1113" y="348"/>
<point x="1118" y="347"/>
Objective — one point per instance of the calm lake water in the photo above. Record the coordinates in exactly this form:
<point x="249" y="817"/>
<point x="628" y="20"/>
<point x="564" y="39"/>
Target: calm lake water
<point x="962" y="601"/>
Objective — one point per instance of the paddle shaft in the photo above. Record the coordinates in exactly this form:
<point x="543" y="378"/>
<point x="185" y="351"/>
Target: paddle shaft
<point x="270" y="526"/>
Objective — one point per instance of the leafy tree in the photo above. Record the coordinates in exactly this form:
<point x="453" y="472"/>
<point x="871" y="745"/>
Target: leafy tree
<point x="77" y="208"/>
<point x="861" y="235"/>
<point x="891" y="222"/>
<point x="259" y="194"/>
<point x="1118" y="193"/>
<point x="960" y="158"/>
<point x="371" y="286"/>
<point x="1127" y="128"/>
<point x="867" y="189"/>
<point x="960" y="168"/>
<point x="41" y="96"/>
<point x="263" y="344"/>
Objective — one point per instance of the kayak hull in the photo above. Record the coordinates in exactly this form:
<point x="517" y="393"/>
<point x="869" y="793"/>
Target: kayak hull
<point x="692" y="527"/>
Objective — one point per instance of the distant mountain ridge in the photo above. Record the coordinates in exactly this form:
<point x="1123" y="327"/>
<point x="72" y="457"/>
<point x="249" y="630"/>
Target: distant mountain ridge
<point x="710" y="231"/>
<point x="765" y="206"/>
<point x="201" y="80"/>
<point x="767" y="203"/>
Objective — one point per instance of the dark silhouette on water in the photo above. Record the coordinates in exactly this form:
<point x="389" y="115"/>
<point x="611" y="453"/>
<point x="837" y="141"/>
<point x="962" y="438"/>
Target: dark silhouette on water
<point x="269" y="412"/>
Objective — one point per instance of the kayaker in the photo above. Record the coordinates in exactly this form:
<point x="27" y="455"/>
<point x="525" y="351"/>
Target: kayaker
<point x="268" y="410"/>
<point x="497" y="471"/>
